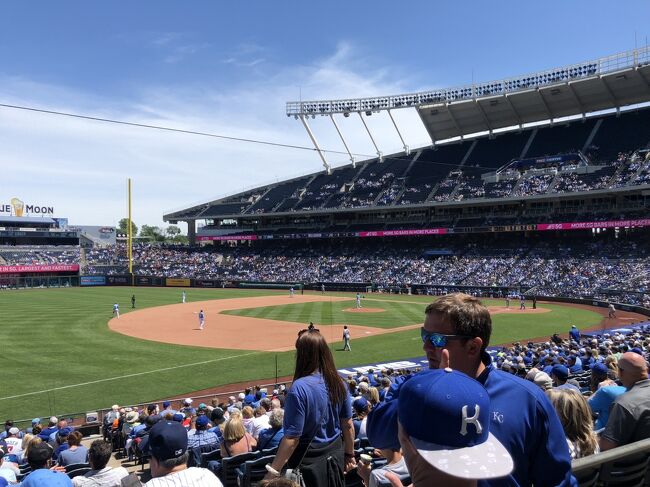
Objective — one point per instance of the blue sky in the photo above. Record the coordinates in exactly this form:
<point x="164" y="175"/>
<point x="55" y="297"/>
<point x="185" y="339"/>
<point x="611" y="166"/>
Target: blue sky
<point x="229" y="68"/>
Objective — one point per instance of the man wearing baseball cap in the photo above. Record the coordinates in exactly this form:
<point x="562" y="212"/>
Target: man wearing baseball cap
<point x="456" y="333"/>
<point x="458" y="448"/>
<point x="168" y="446"/>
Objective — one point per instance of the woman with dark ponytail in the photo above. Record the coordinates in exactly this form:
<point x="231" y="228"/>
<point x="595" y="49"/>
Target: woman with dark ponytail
<point x="318" y="432"/>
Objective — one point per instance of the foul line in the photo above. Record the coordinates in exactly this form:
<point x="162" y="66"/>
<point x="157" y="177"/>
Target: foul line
<point x="127" y="376"/>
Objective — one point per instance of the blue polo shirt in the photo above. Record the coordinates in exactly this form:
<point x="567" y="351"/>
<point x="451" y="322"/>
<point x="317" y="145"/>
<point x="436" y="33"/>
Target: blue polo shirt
<point x="601" y="402"/>
<point x="44" y="477"/>
<point x="307" y="409"/>
<point x="522" y="419"/>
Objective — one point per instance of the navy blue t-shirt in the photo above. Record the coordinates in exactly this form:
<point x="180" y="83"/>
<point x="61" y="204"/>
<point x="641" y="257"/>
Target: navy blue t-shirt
<point x="307" y="409"/>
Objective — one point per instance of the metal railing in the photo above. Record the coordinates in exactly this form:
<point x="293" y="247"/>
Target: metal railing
<point x="597" y="67"/>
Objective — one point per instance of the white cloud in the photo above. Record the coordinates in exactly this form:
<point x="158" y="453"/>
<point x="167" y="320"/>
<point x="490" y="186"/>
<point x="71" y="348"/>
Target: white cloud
<point x="81" y="166"/>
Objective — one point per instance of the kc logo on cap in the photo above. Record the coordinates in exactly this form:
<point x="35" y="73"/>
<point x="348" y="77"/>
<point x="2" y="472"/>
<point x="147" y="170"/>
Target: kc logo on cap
<point x="446" y="414"/>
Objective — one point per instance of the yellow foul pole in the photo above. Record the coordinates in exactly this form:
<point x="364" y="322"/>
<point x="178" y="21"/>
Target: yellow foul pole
<point x="129" y="242"/>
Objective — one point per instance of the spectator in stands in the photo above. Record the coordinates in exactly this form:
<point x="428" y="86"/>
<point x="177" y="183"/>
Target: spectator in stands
<point x="386" y="443"/>
<point x="261" y="420"/>
<point x="51" y="428"/>
<point x="8" y="425"/>
<point x="604" y="393"/>
<point x="445" y="431"/>
<point x="271" y="437"/>
<point x="38" y="458"/>
<point x="217" y="418"/>
<point x="543" y="381"/>
<point x="13" y="442"/>
<point x="361" y="407"/>
<point x="236" y="439"/>
<point x="456" y="333"/>
<point x="248" y="414"/>
<point x="575" y="416"/>
<point x="373" y="394"/>
<point x="201" y="437"/>
<point x="629" y="417"/>
<point x="61" y="442"/>
<point x="75" y="453"/>
<point x="168" y="444"/>
<point x="100" y="475"/>
<point x="27" y="444"/>
<point x="560" y="376"/>
<point x="311" y="432"/>
<point x="574" y="334"/>
<point x="167" y="409"/>
<point x="6" y="471"/>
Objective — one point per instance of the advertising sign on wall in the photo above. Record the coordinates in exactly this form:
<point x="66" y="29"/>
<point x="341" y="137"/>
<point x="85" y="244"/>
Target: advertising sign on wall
<point x="177" y="282"/>
<point x="92" y="281"/>
<point x="11" y="269"/>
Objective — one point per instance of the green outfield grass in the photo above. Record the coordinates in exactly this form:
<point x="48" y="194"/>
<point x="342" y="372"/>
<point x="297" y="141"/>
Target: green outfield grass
<point x="60" y="356"/>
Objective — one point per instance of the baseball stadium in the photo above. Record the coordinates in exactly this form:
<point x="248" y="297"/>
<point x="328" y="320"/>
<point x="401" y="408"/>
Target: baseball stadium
<point x="533" y="196"/>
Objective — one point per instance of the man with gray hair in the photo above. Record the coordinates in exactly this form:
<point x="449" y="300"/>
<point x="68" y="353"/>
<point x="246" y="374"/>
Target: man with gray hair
<point x="629" y="417"/>
<point x="270" y="437"/>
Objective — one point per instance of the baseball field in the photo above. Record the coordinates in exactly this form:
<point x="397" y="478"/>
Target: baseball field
<point x="64" y="352"/>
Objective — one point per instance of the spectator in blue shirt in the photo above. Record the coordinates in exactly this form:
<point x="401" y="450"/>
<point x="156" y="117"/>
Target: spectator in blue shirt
<point x="456" y="333"/>
<point x="271" y="437"/>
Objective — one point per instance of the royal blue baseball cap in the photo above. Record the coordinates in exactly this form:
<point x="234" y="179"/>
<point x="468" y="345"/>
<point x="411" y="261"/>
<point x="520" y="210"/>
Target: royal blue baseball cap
<point x="599" y="368"/>
<point x="560" y="371"/>
<point x="202" y="421"/>
<point x="446" y="414"/>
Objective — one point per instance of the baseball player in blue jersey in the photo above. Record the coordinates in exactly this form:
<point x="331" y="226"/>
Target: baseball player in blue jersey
<point x="456" y="333"/>
<point x="116" y="310"/>
<point x="201" y="319"/>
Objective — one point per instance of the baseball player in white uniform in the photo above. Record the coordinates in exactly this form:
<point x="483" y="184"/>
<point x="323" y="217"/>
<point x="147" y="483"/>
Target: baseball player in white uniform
<point x="358" y="300"/>
<point x="116" y="310"/>
<point x="183" y="297"/>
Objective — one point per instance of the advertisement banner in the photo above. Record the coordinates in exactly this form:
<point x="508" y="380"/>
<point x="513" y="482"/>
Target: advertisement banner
<point x="204" y="283"/>
<point x="177" y="282"/>
<point x="92" y="281"/>
<point x="207" y="238"/>
<point x="12" y="269"/>
<point x="588" y="225"/>
<point x="118" y="280"/>
<point x="404" y="233"/>
<point x="149" y="281"/>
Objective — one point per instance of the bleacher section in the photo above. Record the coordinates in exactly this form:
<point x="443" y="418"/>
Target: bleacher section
<point x="466" y="170"/>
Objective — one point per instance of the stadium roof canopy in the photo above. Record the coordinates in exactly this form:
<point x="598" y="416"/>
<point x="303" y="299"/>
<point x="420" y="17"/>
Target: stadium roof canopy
<point x="607" y="83"/>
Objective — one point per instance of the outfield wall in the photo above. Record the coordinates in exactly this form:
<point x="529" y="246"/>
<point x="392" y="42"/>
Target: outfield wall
<point x="420" y="289"/>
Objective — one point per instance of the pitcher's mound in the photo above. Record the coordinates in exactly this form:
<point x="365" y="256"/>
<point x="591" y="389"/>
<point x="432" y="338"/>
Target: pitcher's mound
<point x="364" y="310"/>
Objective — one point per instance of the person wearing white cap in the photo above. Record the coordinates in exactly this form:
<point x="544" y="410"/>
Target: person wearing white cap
<point x="14" y="443"/>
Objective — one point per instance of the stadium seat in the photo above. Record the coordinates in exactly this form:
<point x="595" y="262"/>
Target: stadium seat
<point x="75" y="469"/>
<point x="253" y="470"/>
<point x="229" y="467"/>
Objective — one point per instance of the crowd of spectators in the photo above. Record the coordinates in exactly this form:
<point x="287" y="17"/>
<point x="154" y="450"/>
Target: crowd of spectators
<point x="573" y="268"/>
<point x="39" y="256"/>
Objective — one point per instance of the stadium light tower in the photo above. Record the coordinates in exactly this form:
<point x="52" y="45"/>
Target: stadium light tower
<point x="328" y="168"/>
<point x="336" y="125"/>
<point x="379" y="154"/>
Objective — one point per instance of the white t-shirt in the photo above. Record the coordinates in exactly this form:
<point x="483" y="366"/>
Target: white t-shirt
<point x="190" y="477"/>
<point x="260" y="424"/>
